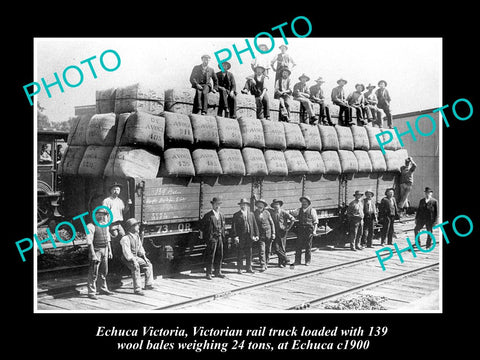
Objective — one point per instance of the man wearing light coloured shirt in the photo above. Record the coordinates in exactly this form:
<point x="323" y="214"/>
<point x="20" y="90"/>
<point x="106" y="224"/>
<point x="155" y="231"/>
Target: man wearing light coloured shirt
<point x="369" y="218"/>
<point x="118" y="208"/>
<point x="355" y="221"/>
<point x="283" y="92"/>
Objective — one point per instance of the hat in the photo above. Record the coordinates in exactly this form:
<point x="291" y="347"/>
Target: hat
<point x="389" y="189"/>
<point x="383" y="82"/>
<point x="275" y="201"/>
<point x="261" y="201"/>
<point x="363" y="86"/>
<point x="285" y="46"/>
<point x="369" y="191"/>
<point x="115" y="184"/>
<point x="264" y="45"/>
<point x="285" y="68"/>
<point x="303" y="76"/>
<point x="244" y="201"/>
<point x="102" y="210"/>
<point x="205" y="56"/>
<point x="306" y="198"/>
<point x="341" y="79"/>
<point x="427" y="189"/>
<point x="320" y="79"/>
<point x="260" y="66"/>
<point x="357" y="192"/>
<point x="226" y="65"/>
<point x="216" y="200"/>
<point x="370" y="86"/>
<point x="130" y="222"/>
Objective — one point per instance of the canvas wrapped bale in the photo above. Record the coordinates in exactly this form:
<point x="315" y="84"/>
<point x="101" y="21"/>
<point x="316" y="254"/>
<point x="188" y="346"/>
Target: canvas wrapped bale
<point x="314" y="162"/>
<point x="102" y="130"/>
<point x="129" y="162"/>
<point x="392" y="160"/>
<point x="332" y="162"/>
<point x="378" y="161"/>
<point x="78" y="131"/>
<point x="311" y="136"/>
<point x="205" y="162"/>
<point x="274" y="134"/>
<point x="402" y="155"/>
<point x="363" y="160"/>
<point x="178" y="129"/>
<point x="121" y="120"/>
<point x="71" y="160"/>
<point x="254" y="162"/>
<point x="205" y="131"/>
<point x="231" y="161"/>
<point x="142" y="97"/>
<point x="179" y="100"/>
<point x="276" y="163"/>
<point x="295" y="162"/>
<point x="345" y="137"/>
<point x="274" y="109"/>
<point x="252" y="132"/>
<point x="371" y="133"/>
<point x="143" y="130"/>
<point x="360" y="137"/>
<point x="294" y="136"/>
<point x="229" y="132"/>
<point x="328" y="137"/>
<point x="246" y="106"/>
<point x="177" y="162"/>
<point x="348" y="161"/>
<point x="295" y="111"/>
<point x="105" y="101"/>
<point x="94" y="160"/>
<point x="390" y="140"/>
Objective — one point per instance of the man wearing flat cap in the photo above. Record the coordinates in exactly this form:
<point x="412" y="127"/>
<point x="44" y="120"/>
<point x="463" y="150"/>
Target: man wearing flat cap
<point x="213" y="232"/>
<point x="307" y="219"/>
<point x="135" y="258"/>
<point x="317" y="96"/>
<point x="283" y="222"/>
<point x="244" y="233"/>
<point x="201" y="79"/>
<point x="228" y="92"/>
<point x="355" y="221"/>
<point x="266" y="230"/>
<point x="369" y="218"/>
<point x="281" y="61"/>
<point x="384" y="99"/>
<point x="427" y="215"/>
<point x="357" y="102"/>
<point x="301" y="92"/>
<point x="339" y="98"/>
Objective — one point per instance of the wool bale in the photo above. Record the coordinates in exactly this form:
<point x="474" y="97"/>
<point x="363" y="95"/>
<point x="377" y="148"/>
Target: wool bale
<point x="402" y="154"/>
<point x="363" y="160"/>
<point x="179" y="100"/>
<point x="205" y="130"/>
<point x="371" y="133"/>
<point x="393" y="144"/>
<point x="252" y="132"/>
<point x="295" y="111"/>
<point x="142" y="97"/>
<point x="94" y="160"/>
<point x="71" y="160"/>
<point x="254" y="162"/>
<point x="276" y="163"/>
<point x="345" y="137"/>
<point x="231" y="161"/>
<point x="348" y="161"/>
<point x="294" y="136"/>
<point x="274" y="134"/>
<point x="126" y="161"/>
<point x="205" y="162"/>
<point x="392" y="160"/>
<point x="121" y="120"/>
<point x="378" y="161"/>
<point x="360" y="137"/>
<point x="143" y="130"/>
<point x="178" y="129"/>
<point x="102" y="130"/>
<point x="229" y="132"/>
<point x="177" y="162"/>
<point x="328" y="137"/>
<point x="246" y="106"/>
<point x="314" y="162"/>
<point x="332" y="162"/>
<point x="311" y="136"/>
<point x="105" y="101"/>
<point x="296" y="162"/>
<point x="78" y="131"/>
<point x="274" y="109"/>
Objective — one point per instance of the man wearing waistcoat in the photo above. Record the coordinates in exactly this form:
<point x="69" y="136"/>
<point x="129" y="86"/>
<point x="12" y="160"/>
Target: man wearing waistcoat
<point x="388" y="212"/>
<point x="266" y="229"/>
<point x="244" y="233"/>
<point x="201" y="79"/>
<point x="306" y="228"/>
<point x="98" y="241"/>
<point x="255" y="85"/>
<point x="427" y="215"/>
<point x="283" y="92"/>
<point x="228" y="92"/>
<point x="134" y="257"/>
<point x="283" y="222"/>
<point x="213" y="230"/>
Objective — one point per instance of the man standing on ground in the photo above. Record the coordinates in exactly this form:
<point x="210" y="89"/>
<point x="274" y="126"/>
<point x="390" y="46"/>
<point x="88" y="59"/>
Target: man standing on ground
<point x="307" y="227"/>
<point x="369" y="218"/>
<point x="427" y="215"/>
<point x="283" y="222"/>
<point x="355" y="221"/>
<point x="266" y="229"/>
<point x="388" y="212"/>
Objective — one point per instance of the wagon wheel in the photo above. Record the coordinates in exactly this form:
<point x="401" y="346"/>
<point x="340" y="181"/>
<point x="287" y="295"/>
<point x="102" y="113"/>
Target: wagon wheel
<point x="44" y="211"/>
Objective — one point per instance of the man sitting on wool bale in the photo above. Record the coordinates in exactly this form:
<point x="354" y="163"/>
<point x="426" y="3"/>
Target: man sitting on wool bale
<point x="302" y="94"/>
<point x="201" y="80"/>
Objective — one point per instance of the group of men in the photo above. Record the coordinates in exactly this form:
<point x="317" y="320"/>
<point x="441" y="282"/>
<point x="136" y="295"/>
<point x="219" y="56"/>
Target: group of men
<point x="368" y="105"/>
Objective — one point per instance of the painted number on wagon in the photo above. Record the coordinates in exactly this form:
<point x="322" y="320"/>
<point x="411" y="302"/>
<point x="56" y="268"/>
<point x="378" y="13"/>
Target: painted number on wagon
<point x="181" y="227"/>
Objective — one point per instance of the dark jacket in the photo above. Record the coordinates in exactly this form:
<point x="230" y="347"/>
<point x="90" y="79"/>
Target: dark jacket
<point x="383" y="96"/>
<point x="365" y="209"/>
<point x="387" y="209"/>
<point x="266" y="227"/>
<point x="197" y="77"/>
<point x="212" y="228"/>
<point x="227" y="80"/>
<point x="427" y="211"/>
<point x="238" y="226"/>
<point x="281" y="222"/>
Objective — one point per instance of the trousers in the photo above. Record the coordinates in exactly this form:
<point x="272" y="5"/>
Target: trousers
<point x="304" y="241"/>
<point x="280" y="243"/>
<point x="200" y="102"/>
<point x="367" y="235"/>
<point x="386" y="109"/>
<point x="419" y="224"/>
<point x="265" y="245"/>
<point x="355" y="230"/>
<point x="285" y="102"/>
<point x="405" y="190"/>
<point x="344" y="114"/>
<point x="227" y="102"/>
<point x="136" y="266"/>
<point x="214" y="255"/>
<point x="387" y="229"/>
<point x="263" y="106"/>
<point x="244" y="248"/>
<point x="98" y="270"/>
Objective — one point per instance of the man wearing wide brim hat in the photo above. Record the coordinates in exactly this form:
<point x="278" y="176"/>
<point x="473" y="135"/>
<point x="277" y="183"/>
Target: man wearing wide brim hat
<point x="355" y="217"/>
<point x="384" y="99"/>
<point x="135" y="258"/>
<point x="260" y="60"/>
<point x="256" y="86"/>
<point x="372" y="112"/>
<point x="266" y="230"/>
<point x="307" y="227"/>
<point x="301" y="93"/>
<point x="281" y="61"/>
<point x="356" y="101"/>
<point x="369" y="218"/>
<point x="244" y="232"/>
<point x="339" y="98"/>
<point x="427" y="215"/>
<point x="201" y="79"/>
<point x="317" y="96"/>
<point x="283" y="92"/>
<point x="387" y="212"/>
<point x="118" y="209"/>
<point x="228" y="92"/>
<point x="283" y="222"/>
<point x="213" y="233"/>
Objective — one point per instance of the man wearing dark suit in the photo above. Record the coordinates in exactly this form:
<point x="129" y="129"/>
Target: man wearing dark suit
<point x="201" y="80"/>
<point x="244" y="233"/>
<point x="213" y="229"/>
<point x="388" y="211"/>
<point x="266" y="229"/>
<point x="427" y="214"/>
<point x="384" y="102"/>
<point x="228" y="92"/>
<point x="283" y="222"/>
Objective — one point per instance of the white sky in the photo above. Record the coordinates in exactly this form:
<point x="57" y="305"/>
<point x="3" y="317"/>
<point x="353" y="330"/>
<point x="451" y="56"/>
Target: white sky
<point x="411" y="66"/>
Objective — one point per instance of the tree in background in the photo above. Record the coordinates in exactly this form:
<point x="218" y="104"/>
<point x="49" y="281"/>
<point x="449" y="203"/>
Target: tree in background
<point x="42" y="119"/>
